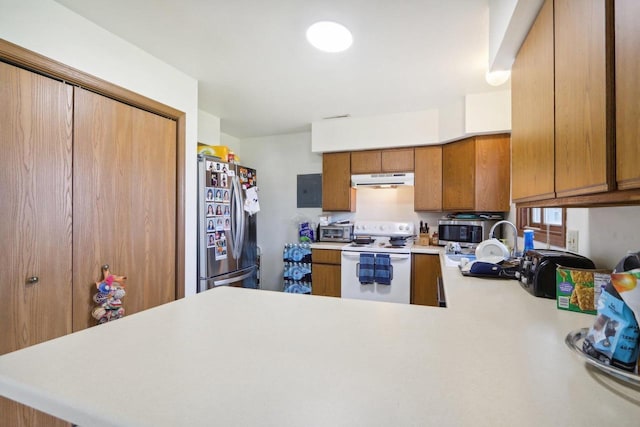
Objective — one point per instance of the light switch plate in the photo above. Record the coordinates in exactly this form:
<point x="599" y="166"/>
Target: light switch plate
<point x="572" y="241"/>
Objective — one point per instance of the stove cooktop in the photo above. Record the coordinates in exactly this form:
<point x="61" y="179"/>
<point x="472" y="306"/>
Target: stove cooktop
<point x="379" y="245"/>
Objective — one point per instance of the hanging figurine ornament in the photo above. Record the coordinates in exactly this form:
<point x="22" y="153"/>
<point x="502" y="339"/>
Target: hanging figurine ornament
<point x="109" y="297"/>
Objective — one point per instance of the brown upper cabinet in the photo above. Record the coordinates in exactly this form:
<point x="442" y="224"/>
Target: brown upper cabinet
<point x="427" y="190"/>
<point x="475" y="174"/>
<point x="337" y="193"/>
<point x="627" y="66"/>
<point x="532" y="113"/>
<point x="382" y="161"/>
<point x="563" y="124"/>
<point x="584" y="126"/>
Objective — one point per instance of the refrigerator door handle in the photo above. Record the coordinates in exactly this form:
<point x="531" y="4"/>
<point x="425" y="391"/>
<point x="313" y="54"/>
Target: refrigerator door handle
<point x="239" y="214"/>
<point x="243" y="220"/>
<point x="234" y="218"/>
<point x="233" y="279"/>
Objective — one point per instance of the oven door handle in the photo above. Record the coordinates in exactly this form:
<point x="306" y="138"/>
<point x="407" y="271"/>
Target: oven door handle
<point x="358" y="271"/>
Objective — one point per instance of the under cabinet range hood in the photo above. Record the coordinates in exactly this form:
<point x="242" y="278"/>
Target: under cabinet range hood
<point x="382" y="179"/>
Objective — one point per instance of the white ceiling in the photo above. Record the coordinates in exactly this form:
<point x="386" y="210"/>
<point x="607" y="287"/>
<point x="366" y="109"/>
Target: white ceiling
<point x="257" y="72"/>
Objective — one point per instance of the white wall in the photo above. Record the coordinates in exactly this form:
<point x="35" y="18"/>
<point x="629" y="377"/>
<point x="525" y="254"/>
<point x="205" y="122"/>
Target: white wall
<point x="278" y="160"/>
<point x="50" y="29"/>
<point x="488" y="112"/>
<point x="611" y="233"/>
<point x="383" y="131"/>
<point x="208" y="128"/>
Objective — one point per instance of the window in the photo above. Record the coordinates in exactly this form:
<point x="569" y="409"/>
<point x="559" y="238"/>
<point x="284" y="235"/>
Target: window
<point x="548" y="224"/>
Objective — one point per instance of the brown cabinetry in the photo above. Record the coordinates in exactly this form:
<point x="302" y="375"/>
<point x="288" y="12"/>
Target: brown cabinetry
<point x="382" y="161"/>
<point x="627" y="66"/>
<point x="427" y="188"/>
<point x="476" y="174"/>
<point x="337" y="193"/>
<point x="326" y="272"/>
<point x="425" y="271"/>
<point x="594" y="129"/>
<point x="532" y="112"/>
<point x="583" y="97"/>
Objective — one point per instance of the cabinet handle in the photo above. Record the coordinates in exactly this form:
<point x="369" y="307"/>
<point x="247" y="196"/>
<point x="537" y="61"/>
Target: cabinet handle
<point x="32" y="280"/>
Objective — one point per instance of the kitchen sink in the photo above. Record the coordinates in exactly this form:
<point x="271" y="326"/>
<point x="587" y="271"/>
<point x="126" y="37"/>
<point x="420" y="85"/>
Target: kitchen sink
<point x="457" y="257"/>
<point x="453" y="260"/>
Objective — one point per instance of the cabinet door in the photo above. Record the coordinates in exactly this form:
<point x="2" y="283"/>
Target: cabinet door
<point x="584" y="105"/>
<point x="493" y="182"/>
<point x="326" y="256"/>
<point x="627" y="52"/>
<point x="532" y="112"/>
<point x="124" y="209"/>
<point x="425" y="270"/>
<point x="35" y="183"/>
<point x="397" y="160"/>
<point x="366" y="161"/>
<point x="428" y="178"/>
<point x="458" y="175"/>
<point x="337" y="194"/>
<point x="326" y="280"/>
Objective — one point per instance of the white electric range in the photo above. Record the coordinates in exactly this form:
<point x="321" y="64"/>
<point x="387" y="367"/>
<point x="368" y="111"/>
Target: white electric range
<point x="387" y="245"/>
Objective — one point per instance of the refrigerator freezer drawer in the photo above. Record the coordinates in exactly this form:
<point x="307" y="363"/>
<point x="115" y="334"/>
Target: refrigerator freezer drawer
<point x="245" y="278"/>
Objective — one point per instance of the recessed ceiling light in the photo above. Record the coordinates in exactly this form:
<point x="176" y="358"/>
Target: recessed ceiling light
<point x="497" y="78"/>
<point x="329" y="36"/>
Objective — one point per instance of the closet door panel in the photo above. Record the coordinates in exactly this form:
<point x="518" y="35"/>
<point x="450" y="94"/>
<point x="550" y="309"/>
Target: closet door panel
<point x="124" y="203"/>
<point x="35" y="207"/>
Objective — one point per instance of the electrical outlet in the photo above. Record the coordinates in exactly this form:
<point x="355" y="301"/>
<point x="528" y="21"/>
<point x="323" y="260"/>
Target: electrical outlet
<point x="572" y="240"/>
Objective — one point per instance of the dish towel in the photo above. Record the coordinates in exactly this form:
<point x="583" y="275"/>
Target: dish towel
<point x="382" y="273"/>
<point x="367" y="268"/>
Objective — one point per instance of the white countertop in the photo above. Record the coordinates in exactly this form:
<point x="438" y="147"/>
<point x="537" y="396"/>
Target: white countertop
<point x="328" y="245"/>
<point x="495" y="357"/>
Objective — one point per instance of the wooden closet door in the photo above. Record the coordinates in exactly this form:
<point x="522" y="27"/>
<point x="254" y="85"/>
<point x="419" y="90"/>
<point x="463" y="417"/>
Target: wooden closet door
<point x="124" y="203"/>
<point x="35" y="207"/>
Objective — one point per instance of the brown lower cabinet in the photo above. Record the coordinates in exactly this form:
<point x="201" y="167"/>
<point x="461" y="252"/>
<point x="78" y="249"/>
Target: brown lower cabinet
<point x="326" y="272"/>
<point x="425" y="271"/>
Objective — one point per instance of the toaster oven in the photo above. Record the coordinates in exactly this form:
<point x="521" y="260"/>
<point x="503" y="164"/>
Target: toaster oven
<point x="336" y="233"/>
<point x="537" y="272"/>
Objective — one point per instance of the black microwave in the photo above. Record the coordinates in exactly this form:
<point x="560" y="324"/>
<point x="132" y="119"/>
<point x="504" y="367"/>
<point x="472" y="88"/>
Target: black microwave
<point x="468" y="233"/>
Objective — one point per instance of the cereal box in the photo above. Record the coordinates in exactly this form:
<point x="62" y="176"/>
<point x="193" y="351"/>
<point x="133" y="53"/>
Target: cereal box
<point x="579" y="289"/>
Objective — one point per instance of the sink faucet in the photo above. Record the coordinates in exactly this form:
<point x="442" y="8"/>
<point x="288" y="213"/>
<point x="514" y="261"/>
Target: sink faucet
<point x="514" y="252"/>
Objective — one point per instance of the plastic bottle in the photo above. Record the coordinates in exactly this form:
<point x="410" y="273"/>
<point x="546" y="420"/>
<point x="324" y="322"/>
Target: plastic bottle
<point x="528" y="240"/>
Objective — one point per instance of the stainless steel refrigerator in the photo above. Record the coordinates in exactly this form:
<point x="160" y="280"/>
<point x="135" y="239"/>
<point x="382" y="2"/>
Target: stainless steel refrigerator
<point x="227" y="248"/>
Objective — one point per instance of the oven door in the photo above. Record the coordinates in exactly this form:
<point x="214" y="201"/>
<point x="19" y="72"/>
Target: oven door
<point x="398" y="291"/>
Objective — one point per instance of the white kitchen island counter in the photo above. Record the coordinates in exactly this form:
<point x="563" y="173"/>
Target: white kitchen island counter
<point x="495" y="357"/>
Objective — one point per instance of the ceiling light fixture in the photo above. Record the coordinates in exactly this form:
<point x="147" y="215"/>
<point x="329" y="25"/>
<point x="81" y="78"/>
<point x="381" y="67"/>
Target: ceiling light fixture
<point x="498" y="77"/>
<point x="329" y="36"/>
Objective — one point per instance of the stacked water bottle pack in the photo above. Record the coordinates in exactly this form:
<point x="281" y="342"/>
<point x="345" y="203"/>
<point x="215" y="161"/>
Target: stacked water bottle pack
<point x="297" y="268"/>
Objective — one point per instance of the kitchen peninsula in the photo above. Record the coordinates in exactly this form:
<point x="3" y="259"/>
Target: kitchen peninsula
<point x="496" y="356"/>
